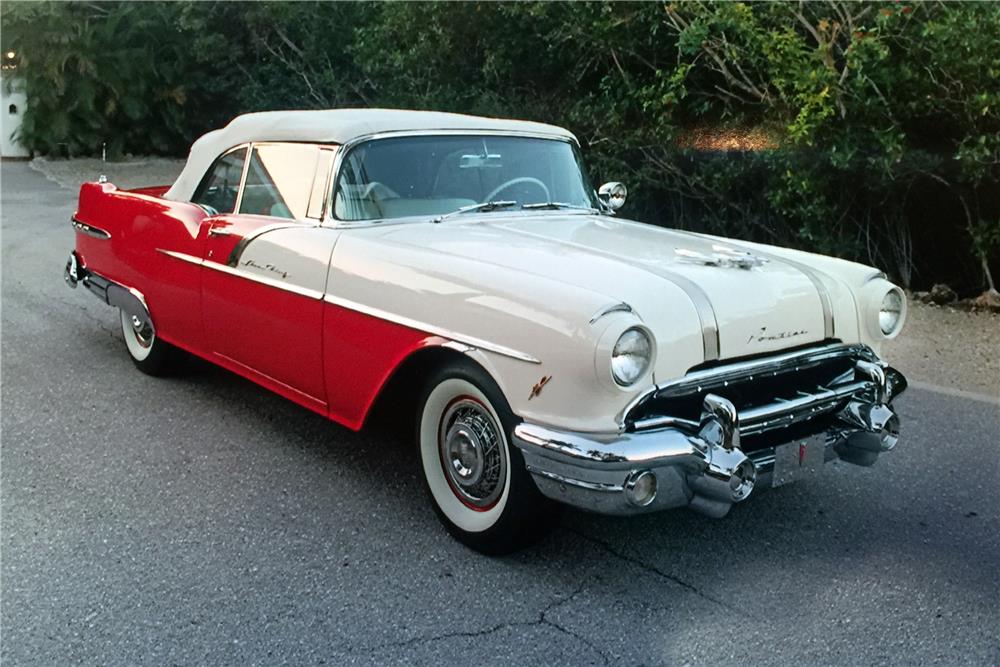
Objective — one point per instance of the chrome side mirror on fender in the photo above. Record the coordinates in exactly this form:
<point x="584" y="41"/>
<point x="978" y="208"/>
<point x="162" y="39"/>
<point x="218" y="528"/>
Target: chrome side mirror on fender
<point x="613" y="195"/>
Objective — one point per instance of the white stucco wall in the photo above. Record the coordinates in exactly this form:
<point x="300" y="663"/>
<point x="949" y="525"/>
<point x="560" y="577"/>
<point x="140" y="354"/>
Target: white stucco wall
<point x="12" y="105"/>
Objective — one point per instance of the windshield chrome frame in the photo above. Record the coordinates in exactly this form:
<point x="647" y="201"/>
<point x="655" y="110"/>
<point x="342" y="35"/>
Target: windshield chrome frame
<point x="330" y="219"/>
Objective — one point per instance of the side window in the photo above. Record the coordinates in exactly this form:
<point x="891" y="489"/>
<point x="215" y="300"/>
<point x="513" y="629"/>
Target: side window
<point x="221" y="185"/>
<point x="280" y="180"/>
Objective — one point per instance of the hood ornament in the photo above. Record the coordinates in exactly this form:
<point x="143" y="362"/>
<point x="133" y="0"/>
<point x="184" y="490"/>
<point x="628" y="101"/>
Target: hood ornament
<point x="722" y="257"/>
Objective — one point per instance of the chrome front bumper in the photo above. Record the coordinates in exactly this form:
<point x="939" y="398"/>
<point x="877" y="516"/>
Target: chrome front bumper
<point x="701" y="464"/>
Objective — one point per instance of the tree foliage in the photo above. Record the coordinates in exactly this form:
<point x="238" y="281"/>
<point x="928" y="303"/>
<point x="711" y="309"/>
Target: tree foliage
<point x="866" y="130"/>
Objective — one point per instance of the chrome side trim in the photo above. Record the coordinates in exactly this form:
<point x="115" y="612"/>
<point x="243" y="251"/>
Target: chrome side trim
<point x="357" y="307"/>
<point x="181" y="256"/>
<point x="90" y="230"/>
<point x="263" y="280"/>
<point x="431" y="329"/>
<point x="241" y="245"/>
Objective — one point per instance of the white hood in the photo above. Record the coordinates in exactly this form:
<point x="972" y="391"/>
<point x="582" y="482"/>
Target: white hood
<point x="774" y="305"/>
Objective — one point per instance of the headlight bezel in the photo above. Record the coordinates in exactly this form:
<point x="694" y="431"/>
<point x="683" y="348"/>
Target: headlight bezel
<point x="870" y="299"/>
<point x="898" y="307"/>
<point x="639" y="339"/>
<point x="896" y="310"/>
<point x="604" y="360"/>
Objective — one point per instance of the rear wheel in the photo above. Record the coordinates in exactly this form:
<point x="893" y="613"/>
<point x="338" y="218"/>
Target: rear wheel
<point x="149" y="354"/>
<point x="478" y="482"/>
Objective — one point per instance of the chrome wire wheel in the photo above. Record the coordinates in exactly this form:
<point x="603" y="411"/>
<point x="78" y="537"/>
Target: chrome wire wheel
<point x="464" y="454"/>
<point x="472" y="456"/>
<point x="479" y="485"/>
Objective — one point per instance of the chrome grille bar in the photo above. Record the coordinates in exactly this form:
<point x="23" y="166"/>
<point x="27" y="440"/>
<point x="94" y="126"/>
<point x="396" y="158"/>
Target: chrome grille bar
<point x="767" y="366"/>
<point x="779" y="414"/>
<point x="787" y="412"/>
<point x="707" y="379"/>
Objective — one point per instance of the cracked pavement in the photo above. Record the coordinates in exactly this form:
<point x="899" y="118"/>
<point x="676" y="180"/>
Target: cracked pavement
<point x="202" y="520"/>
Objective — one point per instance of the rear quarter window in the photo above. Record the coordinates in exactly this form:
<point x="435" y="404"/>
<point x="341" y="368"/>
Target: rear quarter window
<point x="220" y="188"/>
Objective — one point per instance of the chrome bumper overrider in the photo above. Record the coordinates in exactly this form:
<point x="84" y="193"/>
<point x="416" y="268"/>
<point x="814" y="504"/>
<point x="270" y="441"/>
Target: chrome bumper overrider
<point x="110" y="292"/>
<point x="700" y="464"/>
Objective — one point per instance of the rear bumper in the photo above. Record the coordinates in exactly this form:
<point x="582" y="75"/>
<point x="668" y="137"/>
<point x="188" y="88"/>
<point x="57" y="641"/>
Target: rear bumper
<point x="701" y="465"/>
<point x="128" y="299"/>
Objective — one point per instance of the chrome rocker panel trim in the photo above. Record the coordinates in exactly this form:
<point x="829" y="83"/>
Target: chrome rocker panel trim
<point x="700" y="464"/>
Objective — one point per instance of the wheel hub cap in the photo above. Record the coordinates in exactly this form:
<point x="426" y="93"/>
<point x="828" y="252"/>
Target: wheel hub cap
<point x="465" y="453"/>
<point x="471" y="454"/>
<point x="143" y="332"/>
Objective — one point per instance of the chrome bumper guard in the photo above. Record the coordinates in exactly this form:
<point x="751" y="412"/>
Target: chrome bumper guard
<point x="665" y="462"/>
<point x="110" y="292"/>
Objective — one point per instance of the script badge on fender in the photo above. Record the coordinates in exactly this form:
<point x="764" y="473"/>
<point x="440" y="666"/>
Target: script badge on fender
<point x="795" y="460"/>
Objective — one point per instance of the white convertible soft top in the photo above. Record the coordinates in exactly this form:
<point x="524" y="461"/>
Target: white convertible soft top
<point x="335" y="126"/>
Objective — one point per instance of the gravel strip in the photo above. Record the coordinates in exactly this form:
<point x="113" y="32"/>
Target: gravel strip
<point x="950" y="348"/>
<point x="130" y="173"/>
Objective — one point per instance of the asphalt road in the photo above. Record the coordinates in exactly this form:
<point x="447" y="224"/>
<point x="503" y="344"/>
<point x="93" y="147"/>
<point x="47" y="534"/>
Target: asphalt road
<point x="202" y="520"/>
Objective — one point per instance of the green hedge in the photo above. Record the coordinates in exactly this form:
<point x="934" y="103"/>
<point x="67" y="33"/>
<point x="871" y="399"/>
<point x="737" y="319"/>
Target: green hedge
<point x="869" y="131"/>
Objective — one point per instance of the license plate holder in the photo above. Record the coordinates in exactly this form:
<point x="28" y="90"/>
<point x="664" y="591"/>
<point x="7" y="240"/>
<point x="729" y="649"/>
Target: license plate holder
<point x="798" y="460"/>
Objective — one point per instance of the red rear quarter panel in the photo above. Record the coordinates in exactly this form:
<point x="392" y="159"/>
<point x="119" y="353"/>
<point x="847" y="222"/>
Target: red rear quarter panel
<point x="142" y="224"/>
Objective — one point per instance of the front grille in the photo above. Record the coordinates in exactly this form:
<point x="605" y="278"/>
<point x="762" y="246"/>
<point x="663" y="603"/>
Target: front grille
<point x="824" y="376"/>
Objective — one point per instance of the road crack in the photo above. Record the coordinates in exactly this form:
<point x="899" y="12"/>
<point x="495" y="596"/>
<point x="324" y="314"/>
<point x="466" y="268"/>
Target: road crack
<point x="652" y="569"/>
<point x="541" y="620"/>
<point x="544" y="620"/>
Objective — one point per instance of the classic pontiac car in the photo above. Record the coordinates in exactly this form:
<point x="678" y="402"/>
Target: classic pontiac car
<point x="464" y="270"/>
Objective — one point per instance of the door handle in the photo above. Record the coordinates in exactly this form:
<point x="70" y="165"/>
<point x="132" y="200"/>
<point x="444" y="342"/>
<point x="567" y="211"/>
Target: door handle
<point x="219" y="231"/>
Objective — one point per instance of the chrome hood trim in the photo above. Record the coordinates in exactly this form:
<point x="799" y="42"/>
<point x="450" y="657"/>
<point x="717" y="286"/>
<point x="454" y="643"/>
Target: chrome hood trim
<point x="737" y="308"/>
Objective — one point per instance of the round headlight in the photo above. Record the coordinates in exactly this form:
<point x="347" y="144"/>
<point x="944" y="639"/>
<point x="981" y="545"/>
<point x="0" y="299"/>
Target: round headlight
<point x="631" y="356"/>
<point x="890" y="312"/>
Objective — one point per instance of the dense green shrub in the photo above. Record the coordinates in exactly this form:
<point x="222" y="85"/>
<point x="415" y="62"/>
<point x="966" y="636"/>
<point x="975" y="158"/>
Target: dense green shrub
<point x="107" y="73"/>
<point x="870" y="131"/>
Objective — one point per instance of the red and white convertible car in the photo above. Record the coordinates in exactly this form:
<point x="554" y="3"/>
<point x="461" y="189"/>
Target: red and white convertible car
<point x="545" y="348"/>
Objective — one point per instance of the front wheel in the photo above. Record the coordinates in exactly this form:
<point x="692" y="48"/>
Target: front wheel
<point x="149" y="354"/>
<point x="478" y="482"/>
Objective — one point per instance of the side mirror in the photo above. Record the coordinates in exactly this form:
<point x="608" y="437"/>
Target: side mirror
<point x="613" y="195"/>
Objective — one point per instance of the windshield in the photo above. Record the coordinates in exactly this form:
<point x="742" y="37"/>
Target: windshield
<point x="433" y="175"/>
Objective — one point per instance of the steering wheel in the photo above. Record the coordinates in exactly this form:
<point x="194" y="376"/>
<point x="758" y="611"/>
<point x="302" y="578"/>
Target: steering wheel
<point x="514" y="181"/>
<point x="379" y="190"/>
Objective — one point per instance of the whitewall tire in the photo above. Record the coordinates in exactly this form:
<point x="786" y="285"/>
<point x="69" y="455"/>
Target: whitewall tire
<point x="149" y="354"/>
<point x="477" y="481"/>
